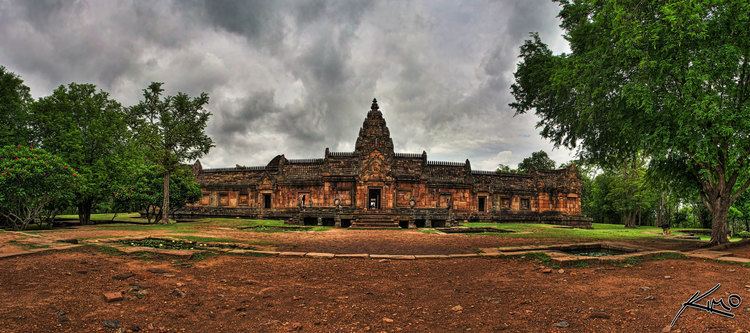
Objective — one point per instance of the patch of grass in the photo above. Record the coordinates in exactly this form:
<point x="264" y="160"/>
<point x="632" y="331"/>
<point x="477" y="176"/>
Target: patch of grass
<point x="172" y="227"/>
<point x="539" y="257"/>
<point x="105" y="249"/>
<point x="203" y="239"/>
<point x="666" y="256"/>
<point x="106" y="217"/>
<point x="580" y="264"/>
<point x="28" y="246"/>
<point x="198" y="256"/>
<point x="285" y="228"/>
<point x="599" y="231"/>
<point x="632" y="261"/>
<point x="147" y="256"/>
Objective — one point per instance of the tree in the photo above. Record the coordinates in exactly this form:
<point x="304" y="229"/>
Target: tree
<point x="34" y="184"/>
<point x="670" y="79"/>
<point x="144" y="193"/>
<point x="173" y="128"/>
<point x="15" y="99"/>
<point x="538" y="161"/>
<point x="88" y="130"/>
<point x="505" y="168"/>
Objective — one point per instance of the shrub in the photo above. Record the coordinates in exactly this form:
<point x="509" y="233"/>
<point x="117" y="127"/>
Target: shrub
<point x="744" y="234"/>
<point x="34" y="184"/>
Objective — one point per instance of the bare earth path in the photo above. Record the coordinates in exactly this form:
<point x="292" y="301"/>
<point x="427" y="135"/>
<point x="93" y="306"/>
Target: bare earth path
<point x="62" y="291"/>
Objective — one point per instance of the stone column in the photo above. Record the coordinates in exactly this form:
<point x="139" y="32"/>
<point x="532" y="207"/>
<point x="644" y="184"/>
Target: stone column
<point x="320" y="221"/>
<point x="337" y="221"/>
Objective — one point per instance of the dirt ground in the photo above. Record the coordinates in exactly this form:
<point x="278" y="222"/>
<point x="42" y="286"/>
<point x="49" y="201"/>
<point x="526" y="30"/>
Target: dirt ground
<point x="63" y="292"/>
<point x="740" y="251"/>
<point x="363" y="241"/>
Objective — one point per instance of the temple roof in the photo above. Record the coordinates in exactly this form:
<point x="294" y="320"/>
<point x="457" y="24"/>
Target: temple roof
<point x="374" y="133"/>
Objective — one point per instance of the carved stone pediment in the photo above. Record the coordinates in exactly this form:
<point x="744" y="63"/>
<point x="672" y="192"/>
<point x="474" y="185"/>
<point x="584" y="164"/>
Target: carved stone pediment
<point x="375" y="168"/>
<point x="266" y="183"/>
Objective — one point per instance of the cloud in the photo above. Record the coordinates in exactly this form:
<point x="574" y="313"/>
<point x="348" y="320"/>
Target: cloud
<point x="294" y="77"/>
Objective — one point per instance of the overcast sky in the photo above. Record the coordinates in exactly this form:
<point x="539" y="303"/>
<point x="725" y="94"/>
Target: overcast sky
<point x="296" y="77"/>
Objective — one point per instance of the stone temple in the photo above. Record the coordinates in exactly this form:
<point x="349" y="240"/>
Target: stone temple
<point x="374" y="186"/>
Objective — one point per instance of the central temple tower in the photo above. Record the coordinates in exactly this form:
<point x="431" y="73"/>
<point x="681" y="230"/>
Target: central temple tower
<point x="374" y="134"/>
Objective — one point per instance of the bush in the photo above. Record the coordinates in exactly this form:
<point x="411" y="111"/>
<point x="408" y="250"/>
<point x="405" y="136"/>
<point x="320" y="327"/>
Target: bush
<point x="34" y="185"/>
<point x="744" y="234"/>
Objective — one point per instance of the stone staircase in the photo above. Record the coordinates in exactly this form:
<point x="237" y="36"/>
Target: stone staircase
<point x="374" y="219"/>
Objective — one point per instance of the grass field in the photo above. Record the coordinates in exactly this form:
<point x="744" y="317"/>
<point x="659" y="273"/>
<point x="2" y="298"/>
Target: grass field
<point x="132" y="221"/>
<point x="601" y="231"/>
<point x="598" y="231"/>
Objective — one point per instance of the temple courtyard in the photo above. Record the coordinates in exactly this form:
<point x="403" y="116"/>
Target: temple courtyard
<point x="235" y="275"/>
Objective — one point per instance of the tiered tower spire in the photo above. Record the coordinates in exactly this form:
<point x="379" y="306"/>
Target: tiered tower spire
<point x="374" y="133"/>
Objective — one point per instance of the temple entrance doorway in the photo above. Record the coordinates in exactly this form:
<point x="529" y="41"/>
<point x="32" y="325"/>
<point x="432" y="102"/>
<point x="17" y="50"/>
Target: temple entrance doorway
<point x="373" y="198"/>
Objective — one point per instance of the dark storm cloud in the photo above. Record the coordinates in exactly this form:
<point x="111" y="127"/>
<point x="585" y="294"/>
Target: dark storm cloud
<point x="295" y="77"/>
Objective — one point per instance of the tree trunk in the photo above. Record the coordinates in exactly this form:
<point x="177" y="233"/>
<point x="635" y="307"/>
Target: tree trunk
<point x="719" y="213"/>
<point x="165" y="206"/>
<point x="747" y="225"/>
<point x="628" y="219"/>
<point x="84" y="212"/>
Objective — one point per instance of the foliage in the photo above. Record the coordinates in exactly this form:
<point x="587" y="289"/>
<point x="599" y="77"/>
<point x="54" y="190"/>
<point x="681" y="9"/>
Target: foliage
<point x="505" y="168"/>
<point x="538" y="161"/>
<point x="34" y="184"/>
<point x="173" y="128"/>
<point x="622" y="194"/>
<point x="744" y="234"/>
<point x="670" y="79"/>
<point x="87" y="129"/>
<point x="144" y="194"/>
<point x="15" y="98"/>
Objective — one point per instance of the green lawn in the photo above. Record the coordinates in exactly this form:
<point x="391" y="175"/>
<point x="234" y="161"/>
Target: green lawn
<point x="598" y="231"/>
<point x="107" y="217"/>
<point x="132" y="221"/>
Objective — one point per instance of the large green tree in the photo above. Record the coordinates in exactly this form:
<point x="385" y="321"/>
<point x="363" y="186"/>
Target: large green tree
<point x="670" y="79"/>
<point x="15" y="99"/>
<point x="87" y="129"/>
<point x="538" y="161"/>
<point x="173" y="129"/>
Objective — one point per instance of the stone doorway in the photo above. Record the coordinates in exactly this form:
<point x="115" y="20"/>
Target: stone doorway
<point x="373" y="198"/>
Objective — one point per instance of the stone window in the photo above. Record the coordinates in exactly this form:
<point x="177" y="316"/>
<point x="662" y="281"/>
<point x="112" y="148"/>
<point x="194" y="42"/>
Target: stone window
<point x="205" y="199"/>
<point x="242" y="199"/>
<point x="525" y="204"/>
<point x="505" y="203"/>
<point x="223" y="199"/>
<point x="445" y="200"/>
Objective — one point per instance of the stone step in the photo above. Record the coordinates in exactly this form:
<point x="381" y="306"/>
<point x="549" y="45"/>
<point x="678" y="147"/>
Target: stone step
<point x="374" y="224"/>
